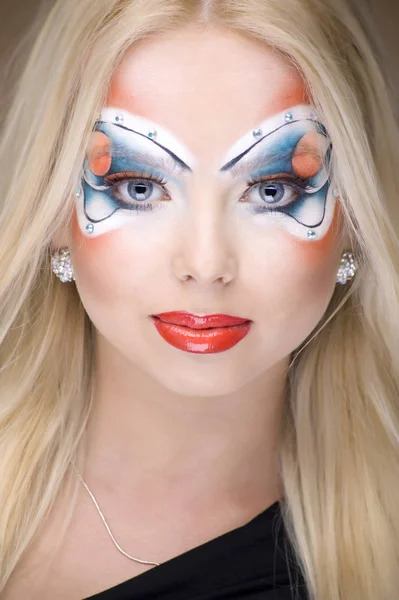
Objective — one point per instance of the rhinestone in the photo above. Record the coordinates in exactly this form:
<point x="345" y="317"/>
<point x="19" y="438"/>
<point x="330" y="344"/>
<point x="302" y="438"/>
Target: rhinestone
<point x="90" y="228"/>
<point x="335" y="193"/>
<point x="119" y="119"/>
<point x="311" y="234"/>
<point x="257" y="133"/>
<point x="313" y="116"/>
<point x="152" y="133"/>
<point x="288" y="117"/>
<point x="78" y="192"/>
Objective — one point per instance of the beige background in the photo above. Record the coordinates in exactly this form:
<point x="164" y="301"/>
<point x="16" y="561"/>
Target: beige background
<point x="17" y="15"/>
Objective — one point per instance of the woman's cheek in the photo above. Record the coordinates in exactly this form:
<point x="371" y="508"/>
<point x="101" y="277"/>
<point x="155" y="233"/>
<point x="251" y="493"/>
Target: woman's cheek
<point x="307" y="281"/>
<point x="95" y="262"/>
<point x="292" y="258"/>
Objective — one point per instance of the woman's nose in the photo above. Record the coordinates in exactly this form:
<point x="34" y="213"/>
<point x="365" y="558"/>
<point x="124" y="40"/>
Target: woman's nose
<point x="205" y="251"/>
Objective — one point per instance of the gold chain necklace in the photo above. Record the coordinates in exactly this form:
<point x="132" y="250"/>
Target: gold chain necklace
<point x="145" y="562"/>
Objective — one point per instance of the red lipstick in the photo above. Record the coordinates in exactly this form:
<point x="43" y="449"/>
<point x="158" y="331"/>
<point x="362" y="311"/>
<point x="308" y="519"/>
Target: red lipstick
<point x="202" y="335"/>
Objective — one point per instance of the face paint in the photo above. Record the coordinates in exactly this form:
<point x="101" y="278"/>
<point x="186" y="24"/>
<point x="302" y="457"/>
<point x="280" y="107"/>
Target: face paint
<point x="287" y="168"/>
<point x="127" y="161"/>
<point x="285" y="163"/>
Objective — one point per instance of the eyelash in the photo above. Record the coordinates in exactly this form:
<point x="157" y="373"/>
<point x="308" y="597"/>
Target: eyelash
<point x="121" y="177"/>
<point x="295" y="182"/>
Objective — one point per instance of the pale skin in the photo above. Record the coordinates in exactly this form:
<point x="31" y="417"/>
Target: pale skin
<point x="182" y="447"/>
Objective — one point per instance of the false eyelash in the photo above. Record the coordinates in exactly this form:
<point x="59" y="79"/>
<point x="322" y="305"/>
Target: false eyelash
<point x="127" y="175"/>
<point x="295" y="182"/>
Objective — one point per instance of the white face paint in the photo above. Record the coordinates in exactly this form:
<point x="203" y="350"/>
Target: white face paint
<point x="131" y="160"/>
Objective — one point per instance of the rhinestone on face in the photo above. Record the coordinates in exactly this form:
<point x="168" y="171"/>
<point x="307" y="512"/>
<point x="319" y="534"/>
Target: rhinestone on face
<point x="78" y="192"/>
<point x="257" y="133"/>
<point x="90" y="228"/>
<point x="288" y="117"/>
<point x="335" y="192"/>
<point x="152" y="133"/>
<point x="313" y="116"/>
<point x="311" y="234"/>
<point x="119" y="119"/>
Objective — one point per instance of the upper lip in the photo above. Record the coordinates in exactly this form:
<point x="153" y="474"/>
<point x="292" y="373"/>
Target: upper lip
<point x="199" y="322"/>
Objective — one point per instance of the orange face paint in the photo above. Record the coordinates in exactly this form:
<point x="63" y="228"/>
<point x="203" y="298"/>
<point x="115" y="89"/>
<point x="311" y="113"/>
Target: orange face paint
<point x="306" y="160"/>
<point x="99" y="155"/>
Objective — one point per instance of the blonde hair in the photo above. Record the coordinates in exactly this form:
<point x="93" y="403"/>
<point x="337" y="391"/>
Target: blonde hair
<point x="339" y="442"/>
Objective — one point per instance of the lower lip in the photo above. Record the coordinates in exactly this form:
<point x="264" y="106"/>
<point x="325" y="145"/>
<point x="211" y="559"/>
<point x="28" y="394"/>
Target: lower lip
<point x="202" y="341"/>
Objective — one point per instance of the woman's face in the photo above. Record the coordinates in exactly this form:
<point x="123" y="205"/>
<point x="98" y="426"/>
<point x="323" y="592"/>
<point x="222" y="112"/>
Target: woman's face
<point x="205" y="190"/>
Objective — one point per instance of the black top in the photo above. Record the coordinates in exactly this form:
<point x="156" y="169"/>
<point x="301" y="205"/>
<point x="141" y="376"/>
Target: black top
<point x="247" y="563"/>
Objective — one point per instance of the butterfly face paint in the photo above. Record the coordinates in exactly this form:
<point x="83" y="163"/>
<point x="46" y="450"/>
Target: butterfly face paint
<point x="285" y="163"/>
<point x="127" y="162"/>
<point x="288" y="166"/>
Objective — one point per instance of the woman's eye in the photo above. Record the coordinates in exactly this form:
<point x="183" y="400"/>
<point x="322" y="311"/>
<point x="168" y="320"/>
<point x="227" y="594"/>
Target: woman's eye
<point x="270" y="192"/>
<point x="138" y="191"/>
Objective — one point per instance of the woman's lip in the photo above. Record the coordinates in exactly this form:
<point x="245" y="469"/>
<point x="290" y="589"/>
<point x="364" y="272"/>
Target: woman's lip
<point x="203" y="322"/>
<point x="201" y="341"/>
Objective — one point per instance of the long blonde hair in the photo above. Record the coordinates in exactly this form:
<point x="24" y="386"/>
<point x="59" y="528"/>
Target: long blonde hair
<point x="339" y="441"/>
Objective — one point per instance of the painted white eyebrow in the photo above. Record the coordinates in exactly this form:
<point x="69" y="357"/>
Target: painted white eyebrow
<point x="161" y="136"/>
<point x="270" y="125"/>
